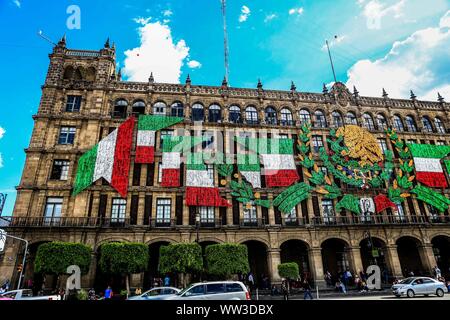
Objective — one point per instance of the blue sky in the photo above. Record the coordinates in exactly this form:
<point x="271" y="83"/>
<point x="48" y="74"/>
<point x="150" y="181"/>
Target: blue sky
<point x="396" y="44"/>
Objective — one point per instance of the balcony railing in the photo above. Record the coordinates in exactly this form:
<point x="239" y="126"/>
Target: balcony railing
<point x="96" y="222"/>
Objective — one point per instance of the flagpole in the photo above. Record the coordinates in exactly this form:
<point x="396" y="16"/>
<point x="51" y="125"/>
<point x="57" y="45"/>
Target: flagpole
<point x="331" y="61"/>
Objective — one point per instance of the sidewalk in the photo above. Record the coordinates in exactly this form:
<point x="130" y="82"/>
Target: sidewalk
<point x="264" y="295"/>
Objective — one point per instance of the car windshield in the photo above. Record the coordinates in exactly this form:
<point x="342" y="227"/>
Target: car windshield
<point x="185" y="289"/>
<point x="406" y="281"/>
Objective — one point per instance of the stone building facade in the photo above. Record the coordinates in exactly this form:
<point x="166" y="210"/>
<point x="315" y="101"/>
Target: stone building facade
<point x="84" y="99"/>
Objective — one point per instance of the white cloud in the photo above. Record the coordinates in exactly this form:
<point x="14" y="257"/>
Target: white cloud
<point x="194" y="64"/>
<point x="419" y="63"/>
<point x="374" y="11"/>
<point x="167" y="13"/>
<point x="336" y="41"/>
<point x="142" y="21"/>
<point x="17" y="3"/>
<point x="298" y="11"/>
<point x="270" y="17"/>
<point x="157" y="53"/>
<point x="245" y="13"/>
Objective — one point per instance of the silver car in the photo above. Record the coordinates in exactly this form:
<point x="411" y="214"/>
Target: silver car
<point x="419" y="286"/>
<point x="158" y="293"/>
<point x="218" y="290"/>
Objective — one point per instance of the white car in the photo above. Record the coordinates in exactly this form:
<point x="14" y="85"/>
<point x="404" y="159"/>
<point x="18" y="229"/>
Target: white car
<point x="158" y="293"/>
<point x="26" y="294"/>
<point x="419" y="286"/>
<point x="217" y="290"/>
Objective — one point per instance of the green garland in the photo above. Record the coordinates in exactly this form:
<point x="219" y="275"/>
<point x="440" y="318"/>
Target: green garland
<point x="431" y="197"/>
<point x="350" y="203"/>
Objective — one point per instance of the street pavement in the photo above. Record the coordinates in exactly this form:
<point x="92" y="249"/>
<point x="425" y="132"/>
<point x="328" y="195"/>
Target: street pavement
<point x="385" y="298"/>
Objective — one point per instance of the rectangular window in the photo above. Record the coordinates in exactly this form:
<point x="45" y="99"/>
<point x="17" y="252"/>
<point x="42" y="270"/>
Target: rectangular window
<point x="53" y="209"/>
<point x="291" y="217"/>
<point x="73" y="103"/>
<point x="210" y="170"/>
<point x="208" y="142"/>
<point x="317" y="142"/>
<point x="328" y="211"/>
<point x="134" y="209"/>
<point x="163" y="207"/>
<point x="66" y="135"/>
<point x="118" y="210"/>
<point x="383" y="145"/>
<point x="147" y="209"/>
<point x="60" y="170"/>
<point x="137" y="174"/>
<point x="250" y="216"/>
<point x="206" y="215"/>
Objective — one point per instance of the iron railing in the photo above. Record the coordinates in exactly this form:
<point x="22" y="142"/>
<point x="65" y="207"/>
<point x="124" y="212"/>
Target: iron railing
<point x="99" y="222"/>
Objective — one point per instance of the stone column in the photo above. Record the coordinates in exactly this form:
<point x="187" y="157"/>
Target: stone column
<point x="393" y="261"/>
<point x="87" y="280"/>
<point x="185" y="215"/>
<point x="316" y="264"/>
<point x="229" y="211"/>
<point x="273" y="260"/>
<point x="141" y="207"/>
<point x="427" y="257"/>
<point x="271" y="211"/>
<point x="355" y="259"/>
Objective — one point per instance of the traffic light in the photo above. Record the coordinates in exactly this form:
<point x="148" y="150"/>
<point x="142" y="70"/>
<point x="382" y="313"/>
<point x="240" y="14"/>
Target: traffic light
<point x="19" y="268"/>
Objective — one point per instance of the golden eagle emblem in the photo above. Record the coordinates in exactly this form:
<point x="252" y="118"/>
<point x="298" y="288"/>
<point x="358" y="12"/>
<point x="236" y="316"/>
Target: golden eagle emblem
<point x="361" y="145"/>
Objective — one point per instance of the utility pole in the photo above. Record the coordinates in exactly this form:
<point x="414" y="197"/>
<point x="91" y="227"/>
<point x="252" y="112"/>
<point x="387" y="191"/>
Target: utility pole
<point x="225" y="40"/>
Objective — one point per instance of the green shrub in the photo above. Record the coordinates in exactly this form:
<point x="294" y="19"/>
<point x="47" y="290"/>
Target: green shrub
<point x="82" y="295"/>
<point x="288" y="270"/>
<point x="55" y="257"/>
<point x="227" y="259"/>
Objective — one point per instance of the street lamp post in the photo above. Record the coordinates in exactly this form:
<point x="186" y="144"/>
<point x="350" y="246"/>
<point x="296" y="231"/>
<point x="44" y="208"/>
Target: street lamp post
<point x="369" y="237"/>
<point x="197" y="224"/>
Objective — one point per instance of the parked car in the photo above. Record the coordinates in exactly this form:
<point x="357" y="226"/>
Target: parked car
<point x="217" y="290"/>
<point x="158" y="293"/>
<point x="26" y="294"/>
<point x="419" y="286"/>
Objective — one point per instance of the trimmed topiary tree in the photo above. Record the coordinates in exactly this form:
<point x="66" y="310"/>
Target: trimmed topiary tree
<point x="227" y="259"/>
<point x="55" y="257"/>
<point x="181" y="258"/>
<point x="123" y="258"/>
<point x="288" y="270"/>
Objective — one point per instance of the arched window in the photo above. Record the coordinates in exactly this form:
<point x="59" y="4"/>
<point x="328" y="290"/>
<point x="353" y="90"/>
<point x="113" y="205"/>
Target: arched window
<point x="350" y="118"/>
<point x="439" y="125"/>
<point x="90" y="74"/>
<point x="68" y="72"/>
<point x="138" y="108"/>
<point x="271" y="115"/>
<point x="337" y="119"/>
<point x="398" y="123"/>
<point x="120" y="108"/>
<point x="176" y="109"/>
<point x="215" y="114"/>
<point x="427" y="127"/>
<point x="251" y="115"/>
<point x="159" y="108"/>
<point x="381" y="122"/>
<point x="305" y="116"/>
<point x="234" y="115"/>
<point x="319" y="119"/>
<point x="286" y="117"/>
<point x="368" y="122"/>
<point x="410" y="124"/>
<point x="78" y="73"/>
<point x="198" y="113"/>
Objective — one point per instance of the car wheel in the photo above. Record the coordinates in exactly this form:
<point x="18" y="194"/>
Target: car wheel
<point x="410" y="293"/>
<point x="440" y="292"/>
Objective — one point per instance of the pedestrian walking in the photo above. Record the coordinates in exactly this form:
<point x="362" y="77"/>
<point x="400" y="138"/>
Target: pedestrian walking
<point x="91" y="294"/>
<point x="251" y="280"/>
<point x="437" y="272"/>
<point x="307" y="288"/>
<point x="138" y="291"/>
<point x="285" y="290"/>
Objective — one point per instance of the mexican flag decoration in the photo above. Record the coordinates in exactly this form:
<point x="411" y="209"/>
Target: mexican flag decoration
<point x="382" y="202"/>
<point x="249" y="167"/>
<point x="109" y="159"/>
<point x="147" y="127"/>
<point x="427" y="161"/>
<point x="277" y="157"/>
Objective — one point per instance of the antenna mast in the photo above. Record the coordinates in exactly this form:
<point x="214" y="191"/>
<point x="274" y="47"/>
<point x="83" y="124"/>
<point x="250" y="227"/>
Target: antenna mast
<point x="225" y="39"/>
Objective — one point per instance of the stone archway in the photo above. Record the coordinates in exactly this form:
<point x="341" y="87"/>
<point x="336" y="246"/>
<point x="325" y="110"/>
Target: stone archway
<point x="152" y="274"/>
<point x="33" y="280"/>
<point x="104" y="280"/>
<point x="335" y="257"/>
<point x="258" y="260"/>
<point x="296" y="251"/>
<point x="441" y="250"/>
<point x="373" y="252"/>
<point x="409" y="256"/>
